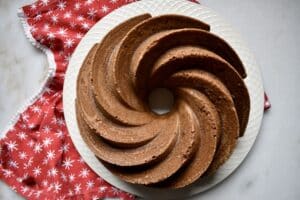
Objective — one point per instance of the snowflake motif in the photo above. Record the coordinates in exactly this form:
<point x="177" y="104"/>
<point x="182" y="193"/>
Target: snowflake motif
<point x="64" y="177"/>
<point x="77" y="6"/>
<point x="52" y="172"/>
<point x="67" y="15"/>
<point x="36" y="171"/>
<point x="61" y="5"/>
<point x="104" y="9"/>
<point x="64" y="148"/>
<point x="80" y="18"/>
<point x="102" y="189"/>
<point x="21" y="135"/>
<point x="35" y="109"/>
<point x="47" y="141"/>
<point x="31" y="126"/>
<point x="31" y="143"/>
<point x="72" y="24"/>
<point x="85" y="26"/>
<point x="50" y="187"/>
<point x="11" y="146"/>
<point x="22" y="155"/>
<point x="67" y="163"/>
<point x="50" y="155"/>
<point x="23" y="126"/>
<point x="33" y="6"/>
<point x="45" y="183"/>
<point x="37" y="17"/>
<point x="44" y="2"/>
<point x="54" y="19"/>
<point x="77" y="188"/>
<point x="25" y="117"/>
<point x="38" y="193"/>
<point x="90" y="184"/>
<point x="59" y="134"/>
<point x="49" y="90"/>
<point x="60" y="122"/>
<point x="69" y="43"/>
<point x="71" y="177"/>
<point x="92" y="13"/>
<point x="13" y="164"/>
<point x="67" y="58"/>
<point x="50" y="36"/>
<point x="79" y="36"/>
<point x="62" y="32"/>
<point x="44" y="100"/>
<point x="27" y="165"/>
<point x="46" y="129"/>
<point x="95" y="197"/>
<point x="84" y="173"/>
<point x="89" y="2"/>
<point x="113" y="1"/>
<point x="57" y="187"/>
<point x="24" y="189"/>
<point x="37" y="148"/>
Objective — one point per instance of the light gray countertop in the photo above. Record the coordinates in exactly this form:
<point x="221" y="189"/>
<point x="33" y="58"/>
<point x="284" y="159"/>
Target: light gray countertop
<point x="270" y="27"/>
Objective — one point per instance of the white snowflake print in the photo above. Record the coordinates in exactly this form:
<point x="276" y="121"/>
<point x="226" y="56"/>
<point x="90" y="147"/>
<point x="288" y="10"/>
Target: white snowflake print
<point x="22" y="135"/>
<point x="77" y="188"/>
<point x="24" y="189"/>
<point x="31" y="143"/>
<point x="22" y="155"/>
<point x="52" y="172"/>
<point x="62" y="32"/>
<point x="35" y="109"/>
<point x="67" y="163"/>
<point x="37" y="148"/>
<point x="31" y="126"/>
<point x="33" y="6"/>
<point x="37" y="171"/>
<point x="77" y="6"/>
<point x="69" y="43"/>
<point x="32" y="29"/>
<point x="104" y="9"/>
<point x="64" y="177"/>
<point x="50" y="36"/>
<point x="61" y="5"/>
<point x="67" y="15"/>
<point x="95" y="197"/>
<point x="13" y="164"/>
<point x="84" y="173"/>
<point x="47" y="141"/>
<point x="59" y="134"/>
<point x="25" y="117"/>
<point x="38" y="194"/>
<point x="85" y="26"/>
<point x="60" y="122"/>
<point x="7" y="173"/>
<point x="28" y="164"/>
<point x="45" y="183"/>
<point x="71" y="177"/>
<point x="48" y="90"/>
<point x="113" y="1"/>
<point x="80" y="18"/>
<point x="46" y="129"/>
<point x="90" y="184"/>
<point x="89" y="2"/>
<point x="50" y="155"/>
<point x="102" y="189"/>
<point x="57" y="187"/>
<point x="44" y="100"/>
<point x="44" y="2"/>
<point x="11" y="145"/>
<point x="70" y="192"/>
<point x="54" y="19"/>
<point x="92" y="13"/>
<point x="64" y="148"/>
<point x="37" y="17"/>
<point x="79" y="35"/>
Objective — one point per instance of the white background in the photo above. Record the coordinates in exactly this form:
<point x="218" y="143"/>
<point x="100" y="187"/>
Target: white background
<point x="270" y="27"/>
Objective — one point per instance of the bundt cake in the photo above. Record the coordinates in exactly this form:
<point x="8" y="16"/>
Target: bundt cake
<point x="211" y="102"/>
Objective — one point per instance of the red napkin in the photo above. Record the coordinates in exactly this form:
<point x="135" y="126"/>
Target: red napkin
<point x="37" y="157"/>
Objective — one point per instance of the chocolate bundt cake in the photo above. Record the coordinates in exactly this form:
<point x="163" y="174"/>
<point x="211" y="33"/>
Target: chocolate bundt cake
<point x="210" y="110"/>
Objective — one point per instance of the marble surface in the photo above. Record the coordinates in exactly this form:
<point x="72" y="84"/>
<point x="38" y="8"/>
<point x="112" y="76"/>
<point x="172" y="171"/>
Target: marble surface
<point x="271" y="171"/>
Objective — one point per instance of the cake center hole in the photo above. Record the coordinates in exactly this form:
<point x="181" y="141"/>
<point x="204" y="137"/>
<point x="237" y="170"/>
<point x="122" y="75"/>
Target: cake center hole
<point x="161" y="100"/>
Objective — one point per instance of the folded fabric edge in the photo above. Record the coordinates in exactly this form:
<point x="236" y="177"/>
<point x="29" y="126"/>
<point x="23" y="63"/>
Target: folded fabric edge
<point x="49" y="75"/>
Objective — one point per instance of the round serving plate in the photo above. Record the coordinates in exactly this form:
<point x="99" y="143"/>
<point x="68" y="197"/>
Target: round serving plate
<point x="220" y="28"/>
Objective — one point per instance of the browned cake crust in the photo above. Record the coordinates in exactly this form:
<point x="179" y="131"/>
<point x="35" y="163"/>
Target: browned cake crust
<point x="211" y="106"/>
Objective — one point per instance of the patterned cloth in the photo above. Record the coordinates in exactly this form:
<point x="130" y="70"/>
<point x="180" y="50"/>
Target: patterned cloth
<point x="37" y="157"/>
